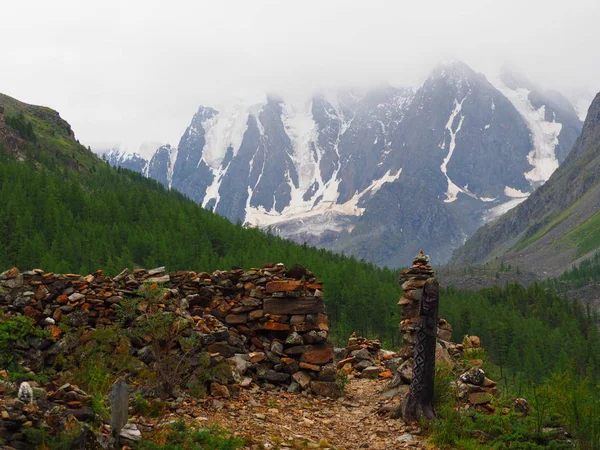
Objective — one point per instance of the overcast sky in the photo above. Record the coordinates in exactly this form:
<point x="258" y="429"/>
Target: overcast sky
<point x="133" y="71"/>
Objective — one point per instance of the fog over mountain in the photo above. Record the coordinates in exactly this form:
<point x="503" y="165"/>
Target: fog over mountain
<point x="378" y="173"/>
<point x="128" y="72"/>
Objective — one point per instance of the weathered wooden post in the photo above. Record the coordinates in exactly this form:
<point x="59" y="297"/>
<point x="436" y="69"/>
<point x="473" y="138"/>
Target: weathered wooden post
<point x="119" y="405"/>
<point x="418" y="402"/>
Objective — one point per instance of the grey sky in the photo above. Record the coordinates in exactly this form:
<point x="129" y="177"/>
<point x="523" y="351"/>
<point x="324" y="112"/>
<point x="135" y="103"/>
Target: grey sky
<point x="133" y="71"/>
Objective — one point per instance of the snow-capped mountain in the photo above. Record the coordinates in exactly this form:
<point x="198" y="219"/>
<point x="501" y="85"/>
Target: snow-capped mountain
<point x="377" y="174"/>
<point x="160" y="167"/>
<point x="118" y="156"/>
<point x="153" y="159"/>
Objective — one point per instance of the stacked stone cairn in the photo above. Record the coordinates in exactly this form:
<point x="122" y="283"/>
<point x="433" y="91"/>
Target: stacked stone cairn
<point x="363" y="358"/>
<point x="56" y="409"/>
<point x="412" y="281"/>
<point x="473" y="387"/>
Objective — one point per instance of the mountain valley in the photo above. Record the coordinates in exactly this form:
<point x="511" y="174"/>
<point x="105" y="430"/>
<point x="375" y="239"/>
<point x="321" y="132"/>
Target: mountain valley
<point x="64" y="208"/>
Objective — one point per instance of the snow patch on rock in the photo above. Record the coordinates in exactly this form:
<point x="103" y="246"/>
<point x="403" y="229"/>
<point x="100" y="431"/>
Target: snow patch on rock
<point x="497" y="211"/>
<point x="514" y="193"/>
<point x="302" y="131"/>
<point x="332" y="211"/>
<point x="544" y="134"/>
<point x="453" y="189"/>
<point x="226" y="129"/>
<point x="172" y="158"/>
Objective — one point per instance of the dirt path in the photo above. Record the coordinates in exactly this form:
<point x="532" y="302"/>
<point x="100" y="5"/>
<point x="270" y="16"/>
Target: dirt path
<point x="280" y="420"/>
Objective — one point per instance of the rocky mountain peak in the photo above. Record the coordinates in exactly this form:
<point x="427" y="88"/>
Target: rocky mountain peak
<point x="204" y="113"/>
<point x="592" y="119"/>
<point x="456" y="73"/>
<point x="335" y="169"/>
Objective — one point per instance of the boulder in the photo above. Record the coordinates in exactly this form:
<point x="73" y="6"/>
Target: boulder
<point x="362" y="365"/>
<point x="302" y="378"/>
<point x="131" y="433"/>
<point x="370" y="372"/>
<point x="294" y="339"/>
<point x="272" y="375"/>
<point x="326" y="389"/>
<point x="240" y="362"/>
<point x="322" y="355"/>
<point x="218" y="390"/>
<point x="328" y="373"/>
<point x="363" y="353"/>
<point x="393" y="364"/>
<point x="301" y="305"/>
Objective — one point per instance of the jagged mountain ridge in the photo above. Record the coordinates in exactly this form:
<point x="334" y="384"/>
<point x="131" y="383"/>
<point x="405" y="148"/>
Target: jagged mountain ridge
<point x="558" y="224"/>
<point x="351" y="172"/>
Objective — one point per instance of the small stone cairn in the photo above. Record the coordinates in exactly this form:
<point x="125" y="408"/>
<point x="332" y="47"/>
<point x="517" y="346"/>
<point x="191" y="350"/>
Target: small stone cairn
<point x="412" y="281"/>
<point x="363" y="358"/>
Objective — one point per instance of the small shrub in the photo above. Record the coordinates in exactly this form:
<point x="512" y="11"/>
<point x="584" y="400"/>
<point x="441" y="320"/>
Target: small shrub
<point x="147" y="319"/>
<point x="179" y="436"/>
<point x="471" y="429"/>
<point x="475" y="354"/>
<point x="443" y="392"/>
<point x="140" y="404"/>
<point x="14" y="329"/>
<point x="102" y="357"/>
<point x="577" y="400"/>
<point x="41" y="439"/>
<point x="342" y="381"/>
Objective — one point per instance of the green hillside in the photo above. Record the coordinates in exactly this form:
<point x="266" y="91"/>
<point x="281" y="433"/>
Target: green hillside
<point x="54" y="144"/>
<point x="558" y="223"/>
<point x="65" y="210"/>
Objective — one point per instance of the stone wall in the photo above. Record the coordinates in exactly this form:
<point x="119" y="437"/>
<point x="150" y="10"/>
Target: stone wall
<point x="269" y="323"/>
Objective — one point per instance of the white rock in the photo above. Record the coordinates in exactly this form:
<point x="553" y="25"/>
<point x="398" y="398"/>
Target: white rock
<point x="131" y="432"/>
<point x="405" y="438"/>
<point x="75" y="297"/>
<point x="25" y="393"/>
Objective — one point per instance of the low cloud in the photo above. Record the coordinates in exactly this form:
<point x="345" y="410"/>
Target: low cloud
<point x="133" y="71"/>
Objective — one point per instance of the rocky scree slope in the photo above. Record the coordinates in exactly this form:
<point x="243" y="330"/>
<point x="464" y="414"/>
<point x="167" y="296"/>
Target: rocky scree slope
<point x="376" y="174"/>
<point x="558" y="224"/>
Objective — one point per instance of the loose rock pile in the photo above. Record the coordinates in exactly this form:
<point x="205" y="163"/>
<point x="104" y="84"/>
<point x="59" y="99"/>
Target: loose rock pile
<point x="51" y="408"/>
<point x="473" y="386"/>
<point x="269" y="323"/>
<point x="364" y="358"/>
